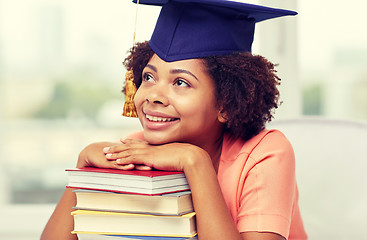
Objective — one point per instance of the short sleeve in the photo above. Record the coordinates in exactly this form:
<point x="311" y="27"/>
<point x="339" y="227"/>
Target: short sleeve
<point x="269" y="187"/>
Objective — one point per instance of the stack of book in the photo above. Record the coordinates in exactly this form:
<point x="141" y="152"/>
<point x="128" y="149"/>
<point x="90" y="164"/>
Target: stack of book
<point x="117" y="204"/>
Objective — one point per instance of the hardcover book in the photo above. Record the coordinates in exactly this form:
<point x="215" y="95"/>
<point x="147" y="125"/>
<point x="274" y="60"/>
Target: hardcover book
<point x="91" y="236"/>
<point x="132" y="181"/>
<point x="167" y="204"/>
<point x="113" y="223"/>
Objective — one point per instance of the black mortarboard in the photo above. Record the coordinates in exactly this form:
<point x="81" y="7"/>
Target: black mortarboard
<point x="197" y="28"/>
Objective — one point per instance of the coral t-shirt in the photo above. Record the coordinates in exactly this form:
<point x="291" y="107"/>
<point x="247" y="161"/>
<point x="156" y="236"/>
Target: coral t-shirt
<point x="258" y="182"/>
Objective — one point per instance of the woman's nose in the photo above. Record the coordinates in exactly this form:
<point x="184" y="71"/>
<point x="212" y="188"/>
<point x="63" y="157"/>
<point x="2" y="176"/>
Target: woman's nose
<point x="158" y="96"/>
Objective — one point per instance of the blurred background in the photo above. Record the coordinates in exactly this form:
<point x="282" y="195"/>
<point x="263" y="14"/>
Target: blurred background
<point x="61" y="76"/>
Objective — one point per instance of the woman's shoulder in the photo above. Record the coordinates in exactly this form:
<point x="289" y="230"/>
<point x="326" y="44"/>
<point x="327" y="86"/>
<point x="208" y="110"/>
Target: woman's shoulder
<point x="273" y="136"/>
<point x="268" y="140"/>
<point x="275" y="146"/>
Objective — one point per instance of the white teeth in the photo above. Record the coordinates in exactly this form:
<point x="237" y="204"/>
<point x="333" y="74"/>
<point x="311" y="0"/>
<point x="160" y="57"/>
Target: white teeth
<point x="158" y="119"/>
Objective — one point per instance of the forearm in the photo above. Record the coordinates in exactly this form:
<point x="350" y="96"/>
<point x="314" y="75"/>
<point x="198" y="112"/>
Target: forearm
<point x="61" y="223"/>
<point x="213" y="218"/>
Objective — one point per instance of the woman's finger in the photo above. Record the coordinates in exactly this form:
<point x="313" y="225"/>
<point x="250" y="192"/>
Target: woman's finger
<point x="126" y="167"/>
<point x="143" y="167"/>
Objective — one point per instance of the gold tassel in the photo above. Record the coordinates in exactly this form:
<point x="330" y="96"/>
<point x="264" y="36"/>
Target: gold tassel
<point x="130" y="90"/>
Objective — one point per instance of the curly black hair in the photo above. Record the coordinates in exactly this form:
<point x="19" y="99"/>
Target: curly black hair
<point x="246" y="87"/>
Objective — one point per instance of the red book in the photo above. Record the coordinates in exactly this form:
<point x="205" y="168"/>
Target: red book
<point x="133" y="181"/>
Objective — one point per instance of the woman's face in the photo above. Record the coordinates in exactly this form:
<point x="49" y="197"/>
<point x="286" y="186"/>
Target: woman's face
<point x="176" y="103"/>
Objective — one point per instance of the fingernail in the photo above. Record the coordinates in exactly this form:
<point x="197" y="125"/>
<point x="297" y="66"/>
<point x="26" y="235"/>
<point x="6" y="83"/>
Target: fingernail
<point x="108" y="155"/>
<point x="118" y="160"/>
<point x="106" y="149"/>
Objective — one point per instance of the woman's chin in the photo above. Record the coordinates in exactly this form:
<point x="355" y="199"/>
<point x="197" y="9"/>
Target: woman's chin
<point x="156" y="139"/>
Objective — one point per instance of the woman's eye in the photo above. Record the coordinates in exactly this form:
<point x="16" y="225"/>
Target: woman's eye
<point x="147" y="77"/>
<point x="181" y="83"/>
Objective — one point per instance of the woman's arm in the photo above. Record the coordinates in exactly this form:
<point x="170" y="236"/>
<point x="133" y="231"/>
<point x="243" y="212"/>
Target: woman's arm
<point x="213" y="218"/>
<point x="61" y="223"/>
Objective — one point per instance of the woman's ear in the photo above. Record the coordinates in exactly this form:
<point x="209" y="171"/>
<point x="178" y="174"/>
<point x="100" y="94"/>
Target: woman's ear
<point x="222" y="116"/>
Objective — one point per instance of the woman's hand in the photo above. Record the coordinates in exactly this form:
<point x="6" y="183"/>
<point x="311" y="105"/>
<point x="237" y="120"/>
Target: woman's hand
<point x="93" y="156"/>
<point x="141" y="155"/>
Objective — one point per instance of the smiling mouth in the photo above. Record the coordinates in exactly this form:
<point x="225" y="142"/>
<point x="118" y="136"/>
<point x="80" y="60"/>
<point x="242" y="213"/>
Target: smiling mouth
<point x="159" y="119"/>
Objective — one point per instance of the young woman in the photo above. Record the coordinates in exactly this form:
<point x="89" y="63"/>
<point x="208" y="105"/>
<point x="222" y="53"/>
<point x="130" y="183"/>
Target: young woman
<point x="205" y="114"/>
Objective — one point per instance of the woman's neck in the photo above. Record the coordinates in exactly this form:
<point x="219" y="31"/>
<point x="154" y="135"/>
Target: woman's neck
<point x="214" y="150"/>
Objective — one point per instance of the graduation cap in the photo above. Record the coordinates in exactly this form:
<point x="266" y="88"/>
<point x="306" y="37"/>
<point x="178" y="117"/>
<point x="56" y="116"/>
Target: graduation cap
<point x="188" y="29"/>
